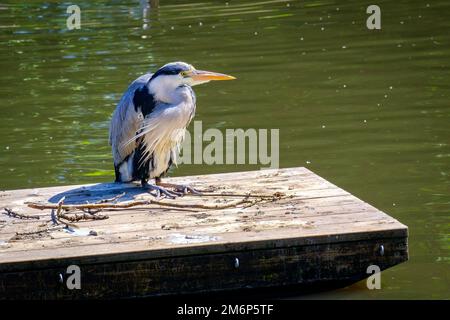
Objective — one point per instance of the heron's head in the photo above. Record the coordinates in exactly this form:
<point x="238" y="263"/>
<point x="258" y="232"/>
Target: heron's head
<point x="183" y="73"/>
<point x="175" y="74"/>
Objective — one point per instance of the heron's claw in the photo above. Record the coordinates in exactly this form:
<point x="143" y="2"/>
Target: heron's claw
<point x="180" y="189"/>
<point x="160" y="191"/>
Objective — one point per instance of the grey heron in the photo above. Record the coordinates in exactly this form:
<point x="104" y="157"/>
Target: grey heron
<point x="149" y="124"/>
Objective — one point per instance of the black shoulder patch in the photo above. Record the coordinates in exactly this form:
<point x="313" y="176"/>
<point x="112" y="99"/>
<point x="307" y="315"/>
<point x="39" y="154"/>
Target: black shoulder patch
<point x="143" y="100"/>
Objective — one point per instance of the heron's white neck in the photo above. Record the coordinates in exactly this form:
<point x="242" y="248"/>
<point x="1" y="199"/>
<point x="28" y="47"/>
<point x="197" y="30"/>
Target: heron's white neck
<point x="164" y="89"/>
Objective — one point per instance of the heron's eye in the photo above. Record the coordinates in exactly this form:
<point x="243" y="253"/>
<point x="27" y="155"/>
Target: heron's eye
<point x="183" y="73"/>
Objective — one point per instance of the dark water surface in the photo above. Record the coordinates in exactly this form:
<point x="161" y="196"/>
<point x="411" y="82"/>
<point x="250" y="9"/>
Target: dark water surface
<point x="367" y="110"/>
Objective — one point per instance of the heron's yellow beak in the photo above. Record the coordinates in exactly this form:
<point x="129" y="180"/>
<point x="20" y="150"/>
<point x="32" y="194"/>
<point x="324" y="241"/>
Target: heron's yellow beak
<point x="200" y="75"/>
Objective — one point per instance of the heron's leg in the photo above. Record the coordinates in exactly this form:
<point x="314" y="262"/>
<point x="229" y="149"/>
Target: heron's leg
<point x="159" y="191"/>
<point x="179" y="188"/>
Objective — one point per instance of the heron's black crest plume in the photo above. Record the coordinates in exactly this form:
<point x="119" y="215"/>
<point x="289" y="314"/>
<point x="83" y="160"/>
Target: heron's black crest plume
<point x="172" y="69"/>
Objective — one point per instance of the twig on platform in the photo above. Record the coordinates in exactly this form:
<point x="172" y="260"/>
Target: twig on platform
<point x="60" y="215"/>
<point x="171" y="204"/>
<point x="10" y="213"/>
<point x="130" y="204"/>
<point x="21" y="235"/>
<point x="113" y="199"/>
<point x="93" y="212"/>
<point x="275" y="196"/>
<point x="90" y="211"/>
<point x="83" y="216"/>
<point x="62" y="212"/>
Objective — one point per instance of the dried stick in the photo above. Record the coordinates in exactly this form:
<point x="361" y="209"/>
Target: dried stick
<point x="276" y="195"/>
<point x="129" y="204"/>
<point x="92" y="212"/>
<point x="113" y="199"/>
<point x="9" y="212"/>
<point x="59" y="214"/>
<point x="39" y="231"/>
<point x="84" y="216"/>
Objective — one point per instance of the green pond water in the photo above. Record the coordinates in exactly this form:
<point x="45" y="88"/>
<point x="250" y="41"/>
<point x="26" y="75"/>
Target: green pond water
<point x="366" y="109"/>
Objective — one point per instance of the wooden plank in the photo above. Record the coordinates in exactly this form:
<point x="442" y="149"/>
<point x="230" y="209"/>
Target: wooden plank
<point x="211" y="272"/>
<point x="315" y="216"/>
<point x="320" y="224"/>
<point x="284" y="210"/>
<point x="262" y="215"/>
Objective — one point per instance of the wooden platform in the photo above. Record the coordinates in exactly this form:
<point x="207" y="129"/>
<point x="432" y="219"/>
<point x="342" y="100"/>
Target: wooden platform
<point x="316" y="233"/>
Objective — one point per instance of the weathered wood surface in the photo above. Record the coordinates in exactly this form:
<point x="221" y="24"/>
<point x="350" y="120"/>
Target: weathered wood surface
<point x="319" y="232"/>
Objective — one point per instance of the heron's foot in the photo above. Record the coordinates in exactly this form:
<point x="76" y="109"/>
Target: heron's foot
<point x="159" y="191"/>
<point x="182" y="189"/>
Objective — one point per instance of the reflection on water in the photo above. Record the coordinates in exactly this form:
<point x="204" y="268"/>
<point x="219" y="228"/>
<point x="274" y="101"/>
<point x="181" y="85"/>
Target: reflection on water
<point x="368" y="110"/>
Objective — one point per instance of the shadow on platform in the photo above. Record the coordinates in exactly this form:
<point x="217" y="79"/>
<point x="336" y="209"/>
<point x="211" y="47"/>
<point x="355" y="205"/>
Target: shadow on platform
<point x="99" y="192"/>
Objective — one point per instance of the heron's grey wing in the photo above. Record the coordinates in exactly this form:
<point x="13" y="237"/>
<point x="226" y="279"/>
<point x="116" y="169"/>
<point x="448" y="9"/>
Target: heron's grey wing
<point x="126" y="121"/>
